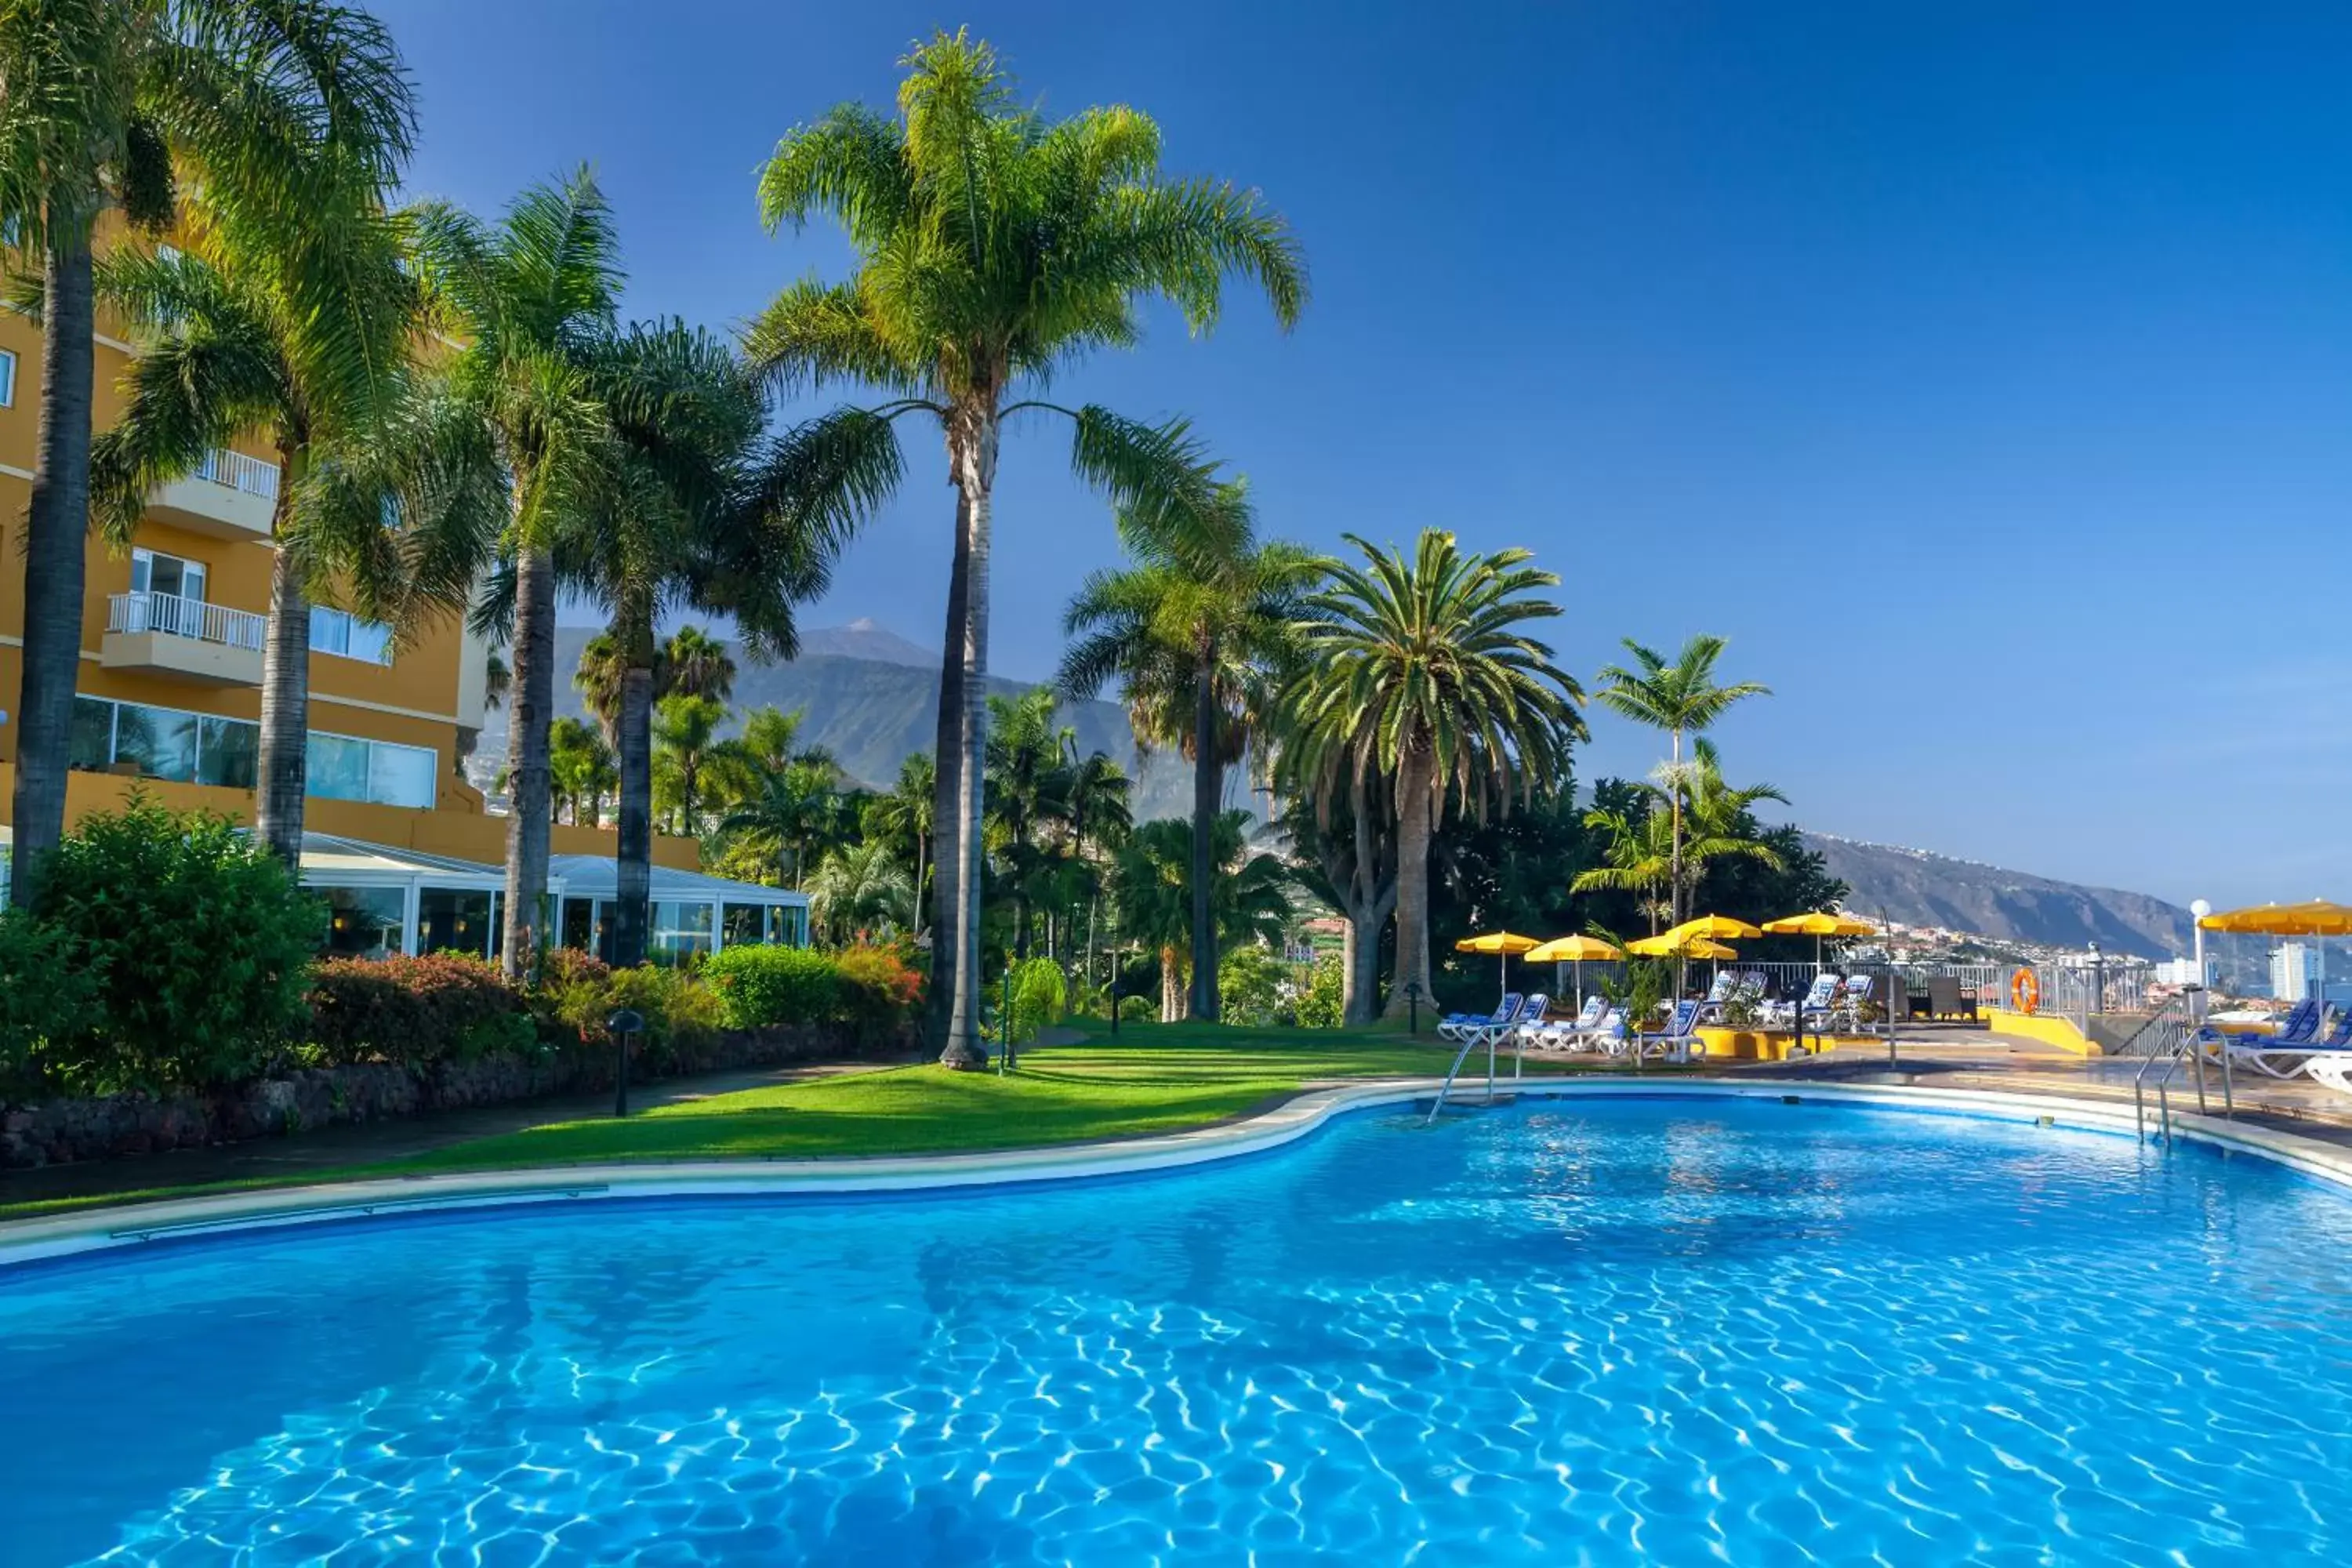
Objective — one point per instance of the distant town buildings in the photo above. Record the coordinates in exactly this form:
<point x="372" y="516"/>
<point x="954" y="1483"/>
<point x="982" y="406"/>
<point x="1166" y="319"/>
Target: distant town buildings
<point x="2295" y="971"/>
<point x="2183" y="971"/>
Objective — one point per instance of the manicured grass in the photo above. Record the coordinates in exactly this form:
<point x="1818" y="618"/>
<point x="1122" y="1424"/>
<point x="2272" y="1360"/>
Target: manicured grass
<point x="1154" y="1078"/>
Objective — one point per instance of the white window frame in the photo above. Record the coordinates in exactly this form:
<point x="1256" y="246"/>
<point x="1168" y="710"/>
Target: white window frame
<point x="433" y="769"/>
<point x="350" y="624"/>
<point x="7" y="378"/>
<point x="188" y="565"/>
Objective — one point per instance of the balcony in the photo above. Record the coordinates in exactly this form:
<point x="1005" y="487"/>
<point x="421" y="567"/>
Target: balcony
<point x="182" y="639"/>
<point x="230" y="496"/>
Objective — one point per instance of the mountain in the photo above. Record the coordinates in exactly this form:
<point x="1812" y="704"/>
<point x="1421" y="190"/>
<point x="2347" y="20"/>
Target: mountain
<point x="872" y="699"/>
<point x="1917" y="888"/>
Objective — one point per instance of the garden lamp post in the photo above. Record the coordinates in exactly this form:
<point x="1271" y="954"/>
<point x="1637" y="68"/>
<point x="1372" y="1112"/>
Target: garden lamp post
<point x="623" y="1023"/>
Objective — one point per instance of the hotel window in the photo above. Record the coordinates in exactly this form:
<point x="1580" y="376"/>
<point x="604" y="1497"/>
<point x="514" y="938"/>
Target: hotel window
<point x="454" y="920"/>
<point x="153" y="572"/>
<point x="366" y="923"/>
<point x="348" y="636"/>
<point x="681" y="929"/>
<point x="161" y="743"/>
<point x="343" y="767"/>
<point x="7" y="378"/>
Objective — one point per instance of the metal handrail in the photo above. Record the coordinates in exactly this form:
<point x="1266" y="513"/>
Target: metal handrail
<point x="173" y="615"/>
<point x="237" y="471"/>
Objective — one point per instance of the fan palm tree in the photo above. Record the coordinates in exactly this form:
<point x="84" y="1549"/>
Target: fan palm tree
<point x="231" y="341"/>
<point x="533" y="297"/>
<point x="1681" y="698"/>
<point x="994" y="247"/>
<point x="279" y="109"/>
<point x="856" y="886"/>
<point x="1421" y="668"/>
<point x="699" y="664"/>
<point x="1199" y="630"/>
<point x="794" y="811"/>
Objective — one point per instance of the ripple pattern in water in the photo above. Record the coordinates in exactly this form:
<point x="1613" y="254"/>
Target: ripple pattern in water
<point x="1666" y="1330"/>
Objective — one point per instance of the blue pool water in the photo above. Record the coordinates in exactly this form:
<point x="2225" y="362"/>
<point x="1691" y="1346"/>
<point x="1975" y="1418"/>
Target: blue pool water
<point x="1663" y="1331"/>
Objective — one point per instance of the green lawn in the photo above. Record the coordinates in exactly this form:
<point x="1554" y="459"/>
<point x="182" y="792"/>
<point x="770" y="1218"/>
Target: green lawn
<point x="1155" y="1078"/>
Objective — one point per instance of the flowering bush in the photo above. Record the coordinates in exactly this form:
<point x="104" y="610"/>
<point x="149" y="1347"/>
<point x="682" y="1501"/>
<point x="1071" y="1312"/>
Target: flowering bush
<point x="879" y="992"/>
<point x="415" y="1010"/>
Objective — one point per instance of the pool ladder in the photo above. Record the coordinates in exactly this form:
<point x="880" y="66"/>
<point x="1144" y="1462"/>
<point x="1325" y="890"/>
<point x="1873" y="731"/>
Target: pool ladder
<point x="1487" y="1037"/>
<point x="2173" y="1033"/>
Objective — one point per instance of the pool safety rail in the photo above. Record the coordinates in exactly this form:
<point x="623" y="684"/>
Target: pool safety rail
<point x="1490" y="1035"/>
<point x="2174" y="1032"/>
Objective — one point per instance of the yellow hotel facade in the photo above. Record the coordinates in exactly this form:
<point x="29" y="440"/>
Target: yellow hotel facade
<point x="169" y="701"/>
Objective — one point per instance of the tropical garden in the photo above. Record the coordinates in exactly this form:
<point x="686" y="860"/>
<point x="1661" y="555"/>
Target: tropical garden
<point x="1380" y="741"/>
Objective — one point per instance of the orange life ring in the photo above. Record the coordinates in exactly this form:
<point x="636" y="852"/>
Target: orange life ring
<point x="2025" y="991"/>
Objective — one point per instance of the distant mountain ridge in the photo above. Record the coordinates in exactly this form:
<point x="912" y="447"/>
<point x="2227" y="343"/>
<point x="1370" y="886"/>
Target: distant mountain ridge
<point x="1918" y="887"/>
<point x="872" y="698"/>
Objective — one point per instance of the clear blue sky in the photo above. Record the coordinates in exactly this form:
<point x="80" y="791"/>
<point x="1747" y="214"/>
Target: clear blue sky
<point x="1984" y="372"/>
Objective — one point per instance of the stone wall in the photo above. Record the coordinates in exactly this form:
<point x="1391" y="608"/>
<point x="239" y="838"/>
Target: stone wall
<point x="55" y="1131"/>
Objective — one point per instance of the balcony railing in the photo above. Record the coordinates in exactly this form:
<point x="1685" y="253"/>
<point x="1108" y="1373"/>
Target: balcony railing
<point x="238" y="472"/>
<point x="173" y="617"/>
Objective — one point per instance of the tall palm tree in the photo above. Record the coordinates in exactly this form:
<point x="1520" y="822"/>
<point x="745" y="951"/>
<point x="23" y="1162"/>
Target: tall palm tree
<point x="685" y="420"/>
<point x="1422" y="668"/>
<point x="533" y="298"/>
<point x="1640" y="855"/>
<point x="1716" y="820"/>
<point x="1199" y="630"/>
<point x="794" y="811"/>
<point x="233" y="340"/>
<point x="582" y="767"/>
<point x="994" y="247"/>
<point x="1101" y="816"/>
<point x="278" y="108"/>
<point x="1030" y="763"/>
<point x="1682" y="697"/>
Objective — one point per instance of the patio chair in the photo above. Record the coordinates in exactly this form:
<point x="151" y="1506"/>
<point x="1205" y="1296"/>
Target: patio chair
<point x="1523" y="1027"/>
<point x="1558" y="1033"/>
<point x="1454" y="1026"/>
<point x="1675" y="1042"/>
<point x="2276" y="1056"/>
<point x="1844" y="1016"/>
<point x="1814" y="1004"/>
<point x="1943" y="995"/>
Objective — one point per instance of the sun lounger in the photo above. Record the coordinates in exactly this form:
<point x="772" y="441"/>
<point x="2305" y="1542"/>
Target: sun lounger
<point x="1523" y="1027"/>
<point x="2331" y="1072"/>
<point x="1814" y="1005"/>
<point x="2276" y="1056"/>
<point x="1454" y="1026"/>
<point x="1558" y="1034"/>
<point x="1675" y="1042"/>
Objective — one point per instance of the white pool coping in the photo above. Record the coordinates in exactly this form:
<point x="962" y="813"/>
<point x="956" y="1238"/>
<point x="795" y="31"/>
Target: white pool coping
<point x="99" y="1230"/>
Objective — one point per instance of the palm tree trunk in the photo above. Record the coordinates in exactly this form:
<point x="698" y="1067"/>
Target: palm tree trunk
<point x="973" y="447"/>
<point x="1413" y="812"/>
<point x="1674" y="796"/>
<point x="946" y="792"/>
<point x="633" y="872"/>
<point x="1172" y="994"/>
<point x="282" y="769"/>
<point x="529" y="793"/>
<point x="1207" y="785"/>
<point x="57" y="533"/>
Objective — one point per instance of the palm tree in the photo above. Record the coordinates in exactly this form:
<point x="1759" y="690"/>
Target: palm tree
<point x="1420" y="668"/>
<point x="905" y="812"/>
<point x="794" y="810"/>
<point x="278" y="110"/>
<point x="1345" y="831"/>
<point x="1100" y="815"/>
<point x="685" y="420"/>
<point x="582" y="765"/>
<point x="697" y="663"/>
<point x="1640" y="855"/>
<point x="856" y="886"/>
<point x="1716" y="818"/>
<point x="1030" y="763"/>
<point x="996" y="248"/>
<point x="533" y="297"/>
<point x="1198" y="631"/>
<point x="1153" y="877"/>
<point x="1681" y="698"/>
<point x="229" y="340"/>
<point x="685" y="733"/>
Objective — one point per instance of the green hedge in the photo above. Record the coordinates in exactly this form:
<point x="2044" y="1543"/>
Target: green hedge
<point x="871" y="989"/>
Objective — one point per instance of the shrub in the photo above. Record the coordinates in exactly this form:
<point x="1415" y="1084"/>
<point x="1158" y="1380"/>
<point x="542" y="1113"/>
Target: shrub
<point x="1254" y="986"/>
<point x="682" y="1014"/>
<point x="46" y="995"/>
<point x="1037" y="994"/>
<point x="879" y="990"/>
<point x="415" y="1010"/>
<point x="199" y="940"/>
<point x="1319" y="1005"/>
<point x="1137" y="1010"/>
<point x="758" y="986"/>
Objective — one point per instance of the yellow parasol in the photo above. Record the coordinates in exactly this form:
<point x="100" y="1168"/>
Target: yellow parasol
<point x="2313" y="916"/>
<point x="1818" y="924"/>
<point x="1498" y="941"/>
<point x="1573" y="950"/>
<point x="1721" y="928"/>
<point x="1666" y="944"/>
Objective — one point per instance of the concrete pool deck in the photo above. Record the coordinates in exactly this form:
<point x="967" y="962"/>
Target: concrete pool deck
<point x="1963" y="1081"/>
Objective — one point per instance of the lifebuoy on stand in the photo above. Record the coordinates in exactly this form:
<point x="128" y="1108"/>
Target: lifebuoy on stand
<point x="2025" y="991"/>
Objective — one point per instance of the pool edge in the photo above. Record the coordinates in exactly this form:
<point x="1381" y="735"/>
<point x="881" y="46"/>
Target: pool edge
<point x="94" y="1230"/>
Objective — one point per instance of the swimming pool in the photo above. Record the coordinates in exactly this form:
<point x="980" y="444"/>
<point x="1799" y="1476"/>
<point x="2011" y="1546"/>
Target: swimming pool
<point x="1666" y="1329"/>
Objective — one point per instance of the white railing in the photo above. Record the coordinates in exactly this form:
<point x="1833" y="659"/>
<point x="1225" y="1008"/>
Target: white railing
<point x="239" y="472"/>
<point x="173" y="617"/>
